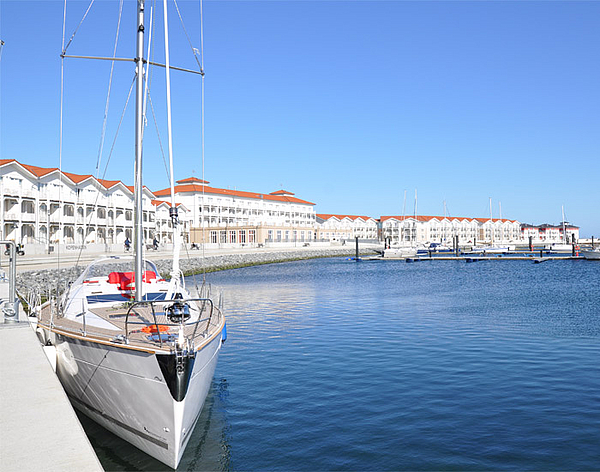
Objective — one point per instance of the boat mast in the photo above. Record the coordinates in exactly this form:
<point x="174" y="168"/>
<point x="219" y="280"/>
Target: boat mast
<point x="175" y="273"/>
<point x="564" y="235"/>
<point x="403" y="230"/>
<point x="491" y="223"/>
<point x="415" y="234"/>
<point x="138" y="189"/>
<point x="501" y="229"/>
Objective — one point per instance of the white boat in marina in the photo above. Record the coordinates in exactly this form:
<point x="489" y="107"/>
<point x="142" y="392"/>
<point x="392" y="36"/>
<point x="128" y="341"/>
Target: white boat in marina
<point x="141" y="369"/>
<point x="559" y="247"/>
<point x="136" y="353"/>
<point x="399" y="252"/>
<point x="433" y="248"/>
<point x="492" y="249"/>
<point x="563" y="245"/>
<point x="591" y="254"/>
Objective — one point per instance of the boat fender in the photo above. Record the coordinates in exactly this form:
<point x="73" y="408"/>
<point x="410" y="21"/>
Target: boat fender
<point x="224" y="333"/>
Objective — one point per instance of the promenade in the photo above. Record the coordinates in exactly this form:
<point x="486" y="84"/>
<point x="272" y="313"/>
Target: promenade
<point x="40" y="430"/>
<point x="70" y="259"/>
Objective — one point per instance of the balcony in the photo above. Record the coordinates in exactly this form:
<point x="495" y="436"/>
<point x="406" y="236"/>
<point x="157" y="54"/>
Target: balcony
<point x="12" y="215"/>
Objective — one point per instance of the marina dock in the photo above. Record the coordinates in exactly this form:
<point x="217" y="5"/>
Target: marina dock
<point x="40" y="430"/>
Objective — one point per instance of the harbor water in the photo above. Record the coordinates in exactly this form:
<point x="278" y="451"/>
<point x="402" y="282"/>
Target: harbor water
<point x="338" y="365"/>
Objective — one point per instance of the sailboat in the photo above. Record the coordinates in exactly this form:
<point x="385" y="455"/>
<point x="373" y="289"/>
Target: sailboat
<point x="493" y="248"/>
<point x="135" y="352"/>
<point x="563" y="246"/>
<point x="406" y="246"/>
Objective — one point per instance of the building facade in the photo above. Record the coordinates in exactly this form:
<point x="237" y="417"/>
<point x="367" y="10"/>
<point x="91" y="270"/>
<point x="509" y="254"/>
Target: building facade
<point x="223" y="217"/>
<point x="45" y="206"/>
<point x="411" y="230"/>
<point x="550" y="233"/>
<point x="341" y="227"/>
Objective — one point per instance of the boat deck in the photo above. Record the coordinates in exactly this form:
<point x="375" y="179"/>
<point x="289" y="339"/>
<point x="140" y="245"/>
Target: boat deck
<point x="147" y="327"/>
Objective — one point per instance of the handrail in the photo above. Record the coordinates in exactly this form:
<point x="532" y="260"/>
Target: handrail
<point x="182" y="323"/>
<point x="12" y="314"/>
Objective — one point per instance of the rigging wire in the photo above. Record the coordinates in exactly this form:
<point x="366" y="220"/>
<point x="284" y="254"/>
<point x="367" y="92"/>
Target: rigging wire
<point x="162" y="151"/>
<point x="60" y="138"/>
<point x="202" y="128"/>
<point x="112" y="67"/>
<point x="108" y="162"/>
<point x="194" y="50"/>
<point x="64" y="49"/>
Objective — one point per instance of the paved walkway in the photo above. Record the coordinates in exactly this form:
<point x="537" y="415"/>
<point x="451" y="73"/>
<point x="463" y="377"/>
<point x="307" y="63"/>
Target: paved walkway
<point x="72" y="258"/>
<point x="39" y="430"/>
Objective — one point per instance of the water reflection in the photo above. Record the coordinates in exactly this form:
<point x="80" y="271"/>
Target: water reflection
<point x="374" y="366"/>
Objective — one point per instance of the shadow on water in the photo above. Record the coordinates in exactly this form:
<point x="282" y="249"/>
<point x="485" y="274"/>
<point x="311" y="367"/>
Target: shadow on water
<point x="208" y="448"/>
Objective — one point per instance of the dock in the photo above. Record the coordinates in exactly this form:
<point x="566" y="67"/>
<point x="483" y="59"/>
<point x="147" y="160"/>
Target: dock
<point x="477" y="258"/>
<point x="40" y="430"/>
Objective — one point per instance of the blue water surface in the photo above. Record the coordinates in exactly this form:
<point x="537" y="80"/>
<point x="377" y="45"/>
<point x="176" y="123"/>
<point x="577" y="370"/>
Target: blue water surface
<point x="338" y="365"/>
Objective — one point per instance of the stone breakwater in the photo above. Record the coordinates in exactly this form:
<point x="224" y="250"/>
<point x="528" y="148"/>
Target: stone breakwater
<point x="50" y="280"/>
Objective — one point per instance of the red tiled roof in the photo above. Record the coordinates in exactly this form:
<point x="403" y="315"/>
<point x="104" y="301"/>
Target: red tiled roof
<point x="281" y="192"/>
<point x="340" y="217"/>
<point x="35" y="170"/>
<point x="75" y="178"/>
<point x="192" y="180"/>
<point x="191" y="188"/>
<point x="440" y="218"/>
<point x="162" y="202"/>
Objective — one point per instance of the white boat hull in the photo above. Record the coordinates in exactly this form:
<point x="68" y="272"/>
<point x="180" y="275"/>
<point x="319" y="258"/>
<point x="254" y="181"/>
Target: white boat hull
<point x="493" y="249"/>
<point x="126" y="392"/>
<point x="559" y="247"/>
<point x="399" y="252"/>
<point x="593" y="255"/>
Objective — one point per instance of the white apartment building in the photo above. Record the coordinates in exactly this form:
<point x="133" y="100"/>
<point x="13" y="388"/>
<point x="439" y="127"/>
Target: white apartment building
<point x="422" y="229"/>
<point x="224" y="217"/>
<point x="164" y="226"/>
<point x="549" y="233"/>
<point x="46" y="207"/>
<point x="340" y="227"/>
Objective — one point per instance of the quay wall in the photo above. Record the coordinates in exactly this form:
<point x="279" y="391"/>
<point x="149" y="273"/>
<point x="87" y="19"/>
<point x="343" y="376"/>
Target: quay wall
<point x="45" y="281"/>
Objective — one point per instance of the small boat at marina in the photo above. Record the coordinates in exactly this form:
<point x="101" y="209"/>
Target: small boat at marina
<point x="591" y="254"/>
<point x="492" y="249"/>
<point x="559" y="247"/>
<point x="135" y="352"/>
<point x="399" y="252"/>
<point x="433" y="248"/>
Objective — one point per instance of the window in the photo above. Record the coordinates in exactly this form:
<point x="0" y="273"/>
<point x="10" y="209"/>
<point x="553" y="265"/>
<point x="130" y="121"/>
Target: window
<point x="232" y="236"/>
<point x="278" y="235"/>
<point x="243" y="236"/>
<point x="223" y="236"/>
<point x="213" y="237"/>
<point x="251" y="236"/>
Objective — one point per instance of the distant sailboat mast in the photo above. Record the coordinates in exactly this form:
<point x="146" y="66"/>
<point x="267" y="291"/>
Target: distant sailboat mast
<point x="403" y="230"/>
<point x="491" y="223"/>
<point x="501" y="230"/>
<point x="415" y="232"/>
<point x="564" y="229"/>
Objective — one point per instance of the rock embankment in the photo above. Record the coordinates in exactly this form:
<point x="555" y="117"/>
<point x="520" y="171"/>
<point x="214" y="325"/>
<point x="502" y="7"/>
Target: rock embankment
<point x="51" y="280"/>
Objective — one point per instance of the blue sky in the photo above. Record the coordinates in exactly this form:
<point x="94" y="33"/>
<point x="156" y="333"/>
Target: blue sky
<point x="347" y="103"/>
